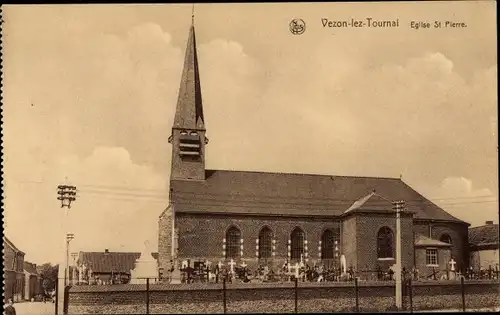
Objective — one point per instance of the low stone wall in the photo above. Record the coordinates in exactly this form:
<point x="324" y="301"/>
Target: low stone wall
<point x="276" y="297"/>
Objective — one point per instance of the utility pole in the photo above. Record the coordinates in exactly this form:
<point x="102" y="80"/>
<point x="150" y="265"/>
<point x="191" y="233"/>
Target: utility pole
<point x="66" y="194"/>
<point x="69" y="238"/>
<point x="74" y="255"/>
<point x="398" y="206"/>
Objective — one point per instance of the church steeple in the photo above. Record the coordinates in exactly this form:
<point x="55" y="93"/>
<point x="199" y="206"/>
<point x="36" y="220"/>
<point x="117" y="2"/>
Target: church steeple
<point x="189" y="112"/>
<point x="188" y="131"/>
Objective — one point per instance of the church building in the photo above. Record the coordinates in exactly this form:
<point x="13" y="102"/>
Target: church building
<point x="269" y="218"/>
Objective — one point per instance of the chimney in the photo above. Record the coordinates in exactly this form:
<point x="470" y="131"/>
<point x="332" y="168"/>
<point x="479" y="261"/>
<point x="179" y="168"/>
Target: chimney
<point x="489" y="222"/>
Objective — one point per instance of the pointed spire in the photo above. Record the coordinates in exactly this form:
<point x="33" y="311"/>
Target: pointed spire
<point x="189" y="113"/>
<point x="192" y="15"/>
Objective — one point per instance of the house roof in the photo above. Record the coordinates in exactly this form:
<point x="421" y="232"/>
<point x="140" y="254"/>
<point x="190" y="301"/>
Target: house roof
<point x="30" y="268"/>
<point x="484" y="235"/>
<point x="288" y="194"/>
<point x="102" y="262"/>
<point x="11" y="245"/>
<point x="422" y="240"/>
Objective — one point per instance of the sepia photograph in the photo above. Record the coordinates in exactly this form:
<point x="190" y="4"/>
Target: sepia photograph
<point x="250" y="158"/>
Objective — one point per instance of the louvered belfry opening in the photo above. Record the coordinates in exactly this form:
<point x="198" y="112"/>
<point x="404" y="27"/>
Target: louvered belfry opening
<point x="190" y="145"/>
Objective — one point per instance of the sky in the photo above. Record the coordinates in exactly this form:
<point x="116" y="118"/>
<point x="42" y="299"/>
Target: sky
<point x="89" y="94"/>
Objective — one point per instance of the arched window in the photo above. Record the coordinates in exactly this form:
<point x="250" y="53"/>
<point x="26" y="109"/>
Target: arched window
<point x="297" y="238"/>
<point x="328" y="244"/>
<point x="233" y="236"/>
<point x="445" y="238"/>
<point x="385" y="243"/>
<point x="265" y="243"/>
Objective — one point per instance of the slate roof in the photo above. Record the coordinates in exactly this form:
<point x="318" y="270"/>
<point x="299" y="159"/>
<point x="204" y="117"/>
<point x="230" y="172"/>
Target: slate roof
<point x="101" y="262"/>
<point x="422" y="240"/>
<point x="371" y="202"/>
<point x="289" y="194"/>
<point x="484" y="235"/>
<point x="30" y="268"/>
<point x="189" y="112"/>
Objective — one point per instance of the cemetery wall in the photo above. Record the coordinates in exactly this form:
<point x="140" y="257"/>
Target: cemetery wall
<point x="275" y="297"/>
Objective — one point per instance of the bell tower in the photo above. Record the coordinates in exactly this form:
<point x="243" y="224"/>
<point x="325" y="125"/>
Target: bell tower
<point x="188" y="131"/>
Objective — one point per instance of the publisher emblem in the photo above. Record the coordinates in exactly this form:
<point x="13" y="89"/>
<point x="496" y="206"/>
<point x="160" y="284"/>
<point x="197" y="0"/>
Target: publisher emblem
<point x="297" y="26"/>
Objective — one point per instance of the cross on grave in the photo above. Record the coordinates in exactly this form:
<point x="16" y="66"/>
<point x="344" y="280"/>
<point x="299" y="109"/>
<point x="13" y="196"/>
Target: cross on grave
<point x="243" y="265"/>
<point x="452" y="264"/>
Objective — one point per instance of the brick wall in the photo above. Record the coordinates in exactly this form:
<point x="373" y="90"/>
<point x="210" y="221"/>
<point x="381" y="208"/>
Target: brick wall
<point x="368" y="226"/>
<point x="165" y="239"/>
<point x="444" y="256"/>
<point x="9" y="256"/>
<point x="459" y="238"/>
<point x="14" y="285"/>
<point x="349" y="241"/>
<point x="13" y="263"/>
<point x="241" y="298"/>
<point x="201" y="236"/>
<point x="184" y="168"/>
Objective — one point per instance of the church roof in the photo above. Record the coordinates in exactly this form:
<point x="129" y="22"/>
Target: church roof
<point x="288" y="194"/>
<point x="371" y="202"/>
<point x="484" y="235"/>
<point x="107" y="262"/>
<point x="189" y="112"/>
<point x="422" y="240"/>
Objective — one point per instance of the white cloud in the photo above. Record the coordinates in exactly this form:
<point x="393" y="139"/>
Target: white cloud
<point x="459" y="197"/>
<point x="117" y="207"/>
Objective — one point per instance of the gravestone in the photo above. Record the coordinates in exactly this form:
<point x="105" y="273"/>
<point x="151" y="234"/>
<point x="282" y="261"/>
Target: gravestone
<point x="231" y="264"/>
<point x="451" y="272"/>
<point x="343" y="264"/>
<point x="146" y="267"/>
<point x="452" y="264"/>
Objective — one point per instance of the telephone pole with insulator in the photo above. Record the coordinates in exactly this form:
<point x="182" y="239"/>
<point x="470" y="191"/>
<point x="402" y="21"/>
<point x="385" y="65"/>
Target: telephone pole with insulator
<point x="67" y="194"/>
<point x="73" y="275"/>
<point x="398" y="206"/>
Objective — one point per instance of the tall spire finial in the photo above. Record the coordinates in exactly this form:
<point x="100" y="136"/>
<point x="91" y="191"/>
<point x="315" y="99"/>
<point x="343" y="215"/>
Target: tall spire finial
<point x="192" y="14"/>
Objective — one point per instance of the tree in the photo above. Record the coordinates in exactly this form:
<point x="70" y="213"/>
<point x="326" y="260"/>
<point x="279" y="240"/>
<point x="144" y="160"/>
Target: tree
<point x="49" y="274"/>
